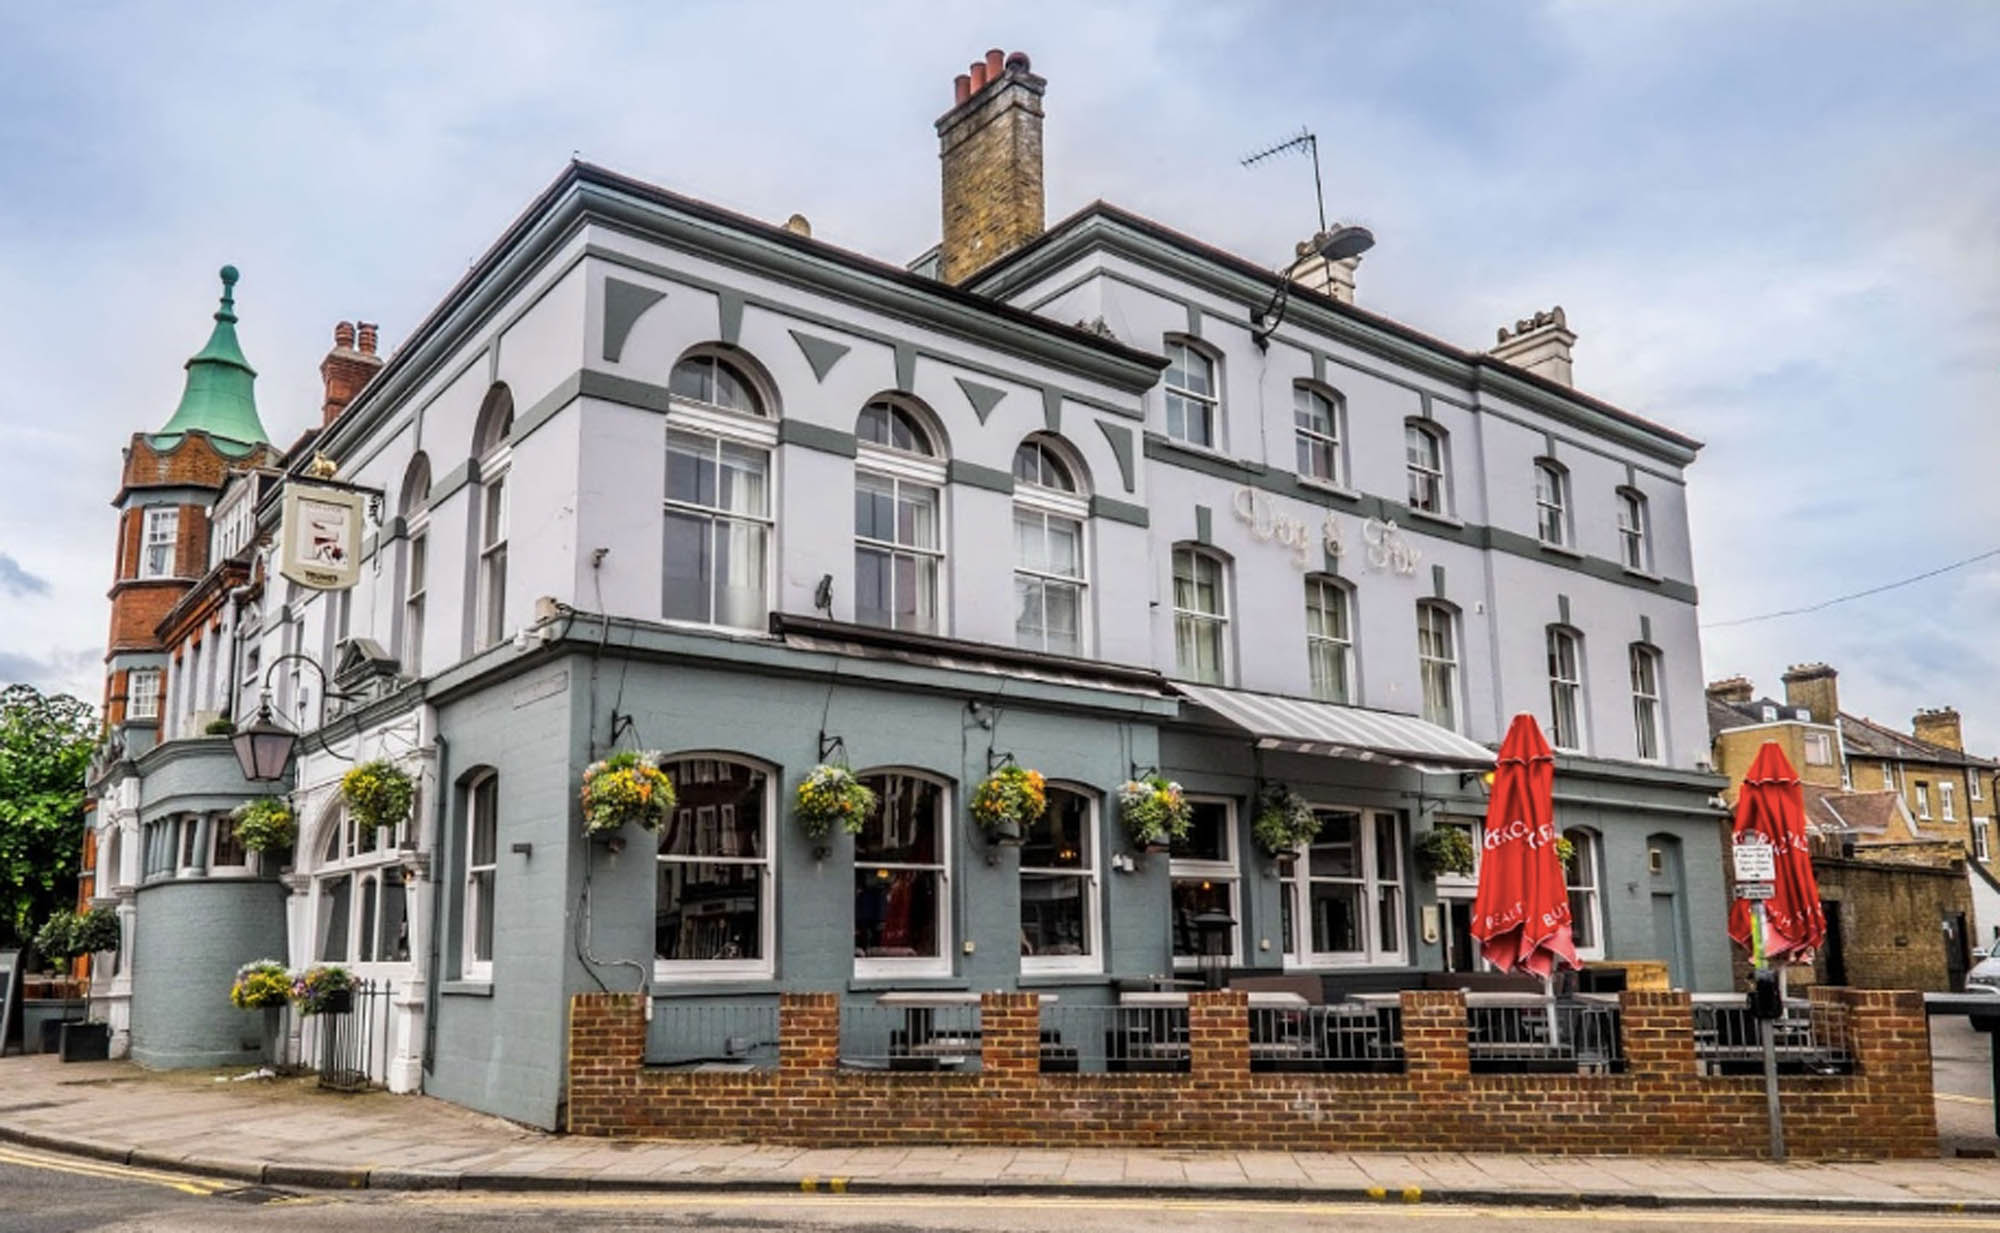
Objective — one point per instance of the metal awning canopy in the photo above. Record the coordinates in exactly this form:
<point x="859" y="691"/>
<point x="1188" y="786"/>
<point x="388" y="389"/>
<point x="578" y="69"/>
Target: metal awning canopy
<point x="1329" y="730"/>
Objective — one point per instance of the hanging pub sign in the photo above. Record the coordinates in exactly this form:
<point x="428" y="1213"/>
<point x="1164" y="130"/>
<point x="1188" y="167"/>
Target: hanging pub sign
<point x="320" y="538"/>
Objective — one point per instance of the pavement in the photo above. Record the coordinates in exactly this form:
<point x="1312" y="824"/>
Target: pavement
<point x="288" y="1132"/>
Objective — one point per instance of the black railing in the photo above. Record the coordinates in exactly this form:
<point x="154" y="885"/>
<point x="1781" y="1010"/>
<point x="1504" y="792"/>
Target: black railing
<point x="348" y="1044"/>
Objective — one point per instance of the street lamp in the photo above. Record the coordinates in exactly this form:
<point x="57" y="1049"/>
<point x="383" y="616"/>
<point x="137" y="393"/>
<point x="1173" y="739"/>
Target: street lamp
<point x="1212" y="927"/>
<point x="1338" y="244"/>
<point x="264" y="746"/>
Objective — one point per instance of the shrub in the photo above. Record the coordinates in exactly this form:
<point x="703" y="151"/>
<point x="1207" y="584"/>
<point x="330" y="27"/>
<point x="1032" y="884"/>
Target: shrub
<point x="829" y="796"/>
<point x="260" y="985"/>
<point x="1444" y="850"/>
<point x="626" y="787"/>
<point x="221" y="725"/>
<point x="378" y="793"/>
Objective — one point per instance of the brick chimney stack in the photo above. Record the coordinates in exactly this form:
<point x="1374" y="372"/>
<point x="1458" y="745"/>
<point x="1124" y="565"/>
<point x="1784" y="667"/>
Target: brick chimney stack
<point x="1939" y="727"/>
<point x="349" y="366"/>
<point x="1732" y="689"/>
<point x="1540" y="344"/>
<point x="1814" y="687"/>
<point x="990" y="143"/>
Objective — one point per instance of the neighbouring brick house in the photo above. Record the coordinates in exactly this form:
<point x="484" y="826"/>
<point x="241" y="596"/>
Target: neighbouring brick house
<point x="1901" y="824"/>
<point x="656" y="475"/>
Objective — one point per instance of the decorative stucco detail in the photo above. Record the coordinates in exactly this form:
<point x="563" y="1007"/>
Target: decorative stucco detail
<point x="729" y="316"/>
<point x="821" y="353"/>
<point x="982" y="397"/>
<point x="1120" y="440"/>
<point x="624" y="304"/>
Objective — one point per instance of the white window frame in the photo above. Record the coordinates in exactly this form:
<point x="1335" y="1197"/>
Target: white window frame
<point x="898" y="470"/>
<point x="1947" y="801"/>
<point x="144" y="703"/>
<point x="1982" y="839"/>
<point x="340" y="852"/>
<point x="416" y="591"/>
<point x="882" y="967"/>
<point x="470" y="966"/>
<point x="1432" y="469"/>
<point x="1462" y="884"/>
<point x="1448" y="664"/>
<point x="217" y="825"/>
<point x="492" y="548"/>
<point x="1227" y="872"/>
<point x="1192" y="400"/>
<point x="1973" y="791"/>
<point x="1088" y="874"/>
<point x="1823" y="742"/>
<point x="719" y="427"/>
<point x="1590" y="859"/>
<point x="1305" y="437"/>
<point x="1568" y="689"/>
<point x="1888" y="776"/>
<point x="1552" y="513"/>
<point x="1299" y="887"/>
<point x="1647" y="709"/>
<point x="1635" y="542"/>
<point x="159" y="542"/>
<point x="1197" y="619"/>
<point x="696" y="970"/>
<point x="1042" y="502"/>
<point x="1923" y="800"/>
<point x="1321" y="646"/>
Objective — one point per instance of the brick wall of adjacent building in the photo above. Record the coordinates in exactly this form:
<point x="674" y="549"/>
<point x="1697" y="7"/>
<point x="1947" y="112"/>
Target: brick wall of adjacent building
<point x="1890" y="918"/>
<point x="1659" y="1105"/>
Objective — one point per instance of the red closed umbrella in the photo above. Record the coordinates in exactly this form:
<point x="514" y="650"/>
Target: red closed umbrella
<point x="1772" y="808"/>
<point x="1521" y="915"/>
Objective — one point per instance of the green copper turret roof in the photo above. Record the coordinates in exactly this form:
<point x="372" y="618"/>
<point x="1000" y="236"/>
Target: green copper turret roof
<point x="220" y="398"/>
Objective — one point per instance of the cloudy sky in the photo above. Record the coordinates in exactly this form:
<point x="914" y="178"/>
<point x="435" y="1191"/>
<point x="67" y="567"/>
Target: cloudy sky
<point x="1775" y="227"/>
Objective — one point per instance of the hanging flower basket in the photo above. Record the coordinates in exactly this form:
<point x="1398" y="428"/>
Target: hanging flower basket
<point x="1284" y="822"/>
<point x="1155" y="811"/>
<point x="266" y="824"/>
<point x="1444" y="851"/>
<point x="378" y="793"/>
<point x="831" y="796"/>
<point x="628" y="786"/>
<point x="261" y="985"/>
<point x="324" y="990"/>
<point x="1565" y="852"/>
<point x="1009" y="801"/>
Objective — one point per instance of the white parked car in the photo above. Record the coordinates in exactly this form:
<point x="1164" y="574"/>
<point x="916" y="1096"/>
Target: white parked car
<point x="1984" y="977"/>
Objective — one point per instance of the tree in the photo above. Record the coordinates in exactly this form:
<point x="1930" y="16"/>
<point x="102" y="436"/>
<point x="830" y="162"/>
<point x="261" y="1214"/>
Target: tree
<point x="45" y="745"/>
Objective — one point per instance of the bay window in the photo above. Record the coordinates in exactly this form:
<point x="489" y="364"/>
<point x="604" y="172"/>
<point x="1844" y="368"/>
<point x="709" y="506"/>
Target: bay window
<point x="901" y="878"/>
<point x="713" y="911"/>
<point x="1059" y="886"/>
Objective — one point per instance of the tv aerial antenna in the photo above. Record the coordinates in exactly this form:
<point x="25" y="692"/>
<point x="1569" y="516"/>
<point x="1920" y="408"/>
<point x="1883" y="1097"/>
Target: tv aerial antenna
<point x="1305" y="142"/>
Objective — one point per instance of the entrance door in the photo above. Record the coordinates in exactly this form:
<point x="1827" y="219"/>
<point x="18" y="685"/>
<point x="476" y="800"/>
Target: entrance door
<point x="1667" y="936"/>
<point x="1833" y="955"/>
<point x="1461" y="953"/>
<point x="1957" y="951"/>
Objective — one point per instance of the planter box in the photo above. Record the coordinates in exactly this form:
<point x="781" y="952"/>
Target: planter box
<point x="42" y="1019"/>
<point x="86" y="1042"/>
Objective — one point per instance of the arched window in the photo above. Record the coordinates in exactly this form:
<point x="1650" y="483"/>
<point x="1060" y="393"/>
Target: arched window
<point x="1050" y="570"/>
<point x="1635" y="546"/>
<point x="1059" y="886"/>
<point x="416" y="506"/>
<point x="1425" y="461"/>
<point x="360" y="907"/>
<point x="1566" y="713"/>
<point x="902" y="863"/>
<point x="1194" y="400"/>
<point x="1316" y="416"/>
<point x="1648" y="735"/>
<point x="496" y="422"/>
<point x="719" y="523"/>
<point x="481" y="848"/>
<point x="1551" y="503"/>
<point x="899" y="536"/>
<point x="1201" y="615"/>
<point x="713" y="912"/>
<point x="1437" y="662"/>
<point x="1330" y="638"/>
<point x="1580" y="876"/>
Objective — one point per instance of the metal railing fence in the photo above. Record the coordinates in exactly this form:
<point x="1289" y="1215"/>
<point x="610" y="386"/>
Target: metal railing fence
<point x="713" y="1035"/>
<point x="1543" y="1035"/>
<point x="909" y="1037"/>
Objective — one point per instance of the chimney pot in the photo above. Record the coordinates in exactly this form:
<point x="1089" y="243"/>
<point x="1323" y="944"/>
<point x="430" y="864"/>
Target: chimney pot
<point x="977" y="71"/>
<point x="991" y="156"/>
<point x="799" y="224"/>
<point x="1540" y="344"/>
<point x="961" y="89"/>
<point x="343" y="335"/>
<point x="996" y="61"/>
<point x="1019" y="63"/>
<point x="365" y="334"/>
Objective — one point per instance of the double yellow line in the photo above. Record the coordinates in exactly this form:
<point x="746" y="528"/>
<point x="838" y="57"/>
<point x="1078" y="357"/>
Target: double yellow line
<point x="28" y="1158"/>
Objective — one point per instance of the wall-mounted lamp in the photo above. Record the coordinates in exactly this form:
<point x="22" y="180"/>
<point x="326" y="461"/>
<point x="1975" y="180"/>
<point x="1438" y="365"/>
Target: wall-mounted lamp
<point x="1338" y="244"/>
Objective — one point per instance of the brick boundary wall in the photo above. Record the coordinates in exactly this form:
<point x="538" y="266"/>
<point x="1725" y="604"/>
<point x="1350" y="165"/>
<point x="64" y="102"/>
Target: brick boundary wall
<point x="1660" y="1105"/>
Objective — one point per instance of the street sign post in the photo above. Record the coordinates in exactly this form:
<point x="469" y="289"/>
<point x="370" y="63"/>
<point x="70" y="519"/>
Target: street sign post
<point x="1756" y="891"/>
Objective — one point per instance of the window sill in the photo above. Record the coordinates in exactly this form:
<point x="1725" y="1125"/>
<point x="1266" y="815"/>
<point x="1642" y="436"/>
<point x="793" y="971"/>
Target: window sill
<point x="887" y="984"/>
<point x="1559" y="550"/>
<point x="1211" y="453"/>
<point x="1441" y="519"/>
<point x="1061" y="980"/>
<point x="668" y="987"/>
<point x="466" y="988"/>
<point x="1642" y="575"/>
<point x="1328" y="487"/>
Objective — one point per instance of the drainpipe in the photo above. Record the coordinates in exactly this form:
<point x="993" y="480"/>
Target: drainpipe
<point x="236" y="595"/>
<point x="437" y="902"/>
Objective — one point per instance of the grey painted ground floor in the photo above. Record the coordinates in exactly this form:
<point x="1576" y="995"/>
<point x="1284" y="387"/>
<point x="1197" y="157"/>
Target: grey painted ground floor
<point x="510" y="909"/>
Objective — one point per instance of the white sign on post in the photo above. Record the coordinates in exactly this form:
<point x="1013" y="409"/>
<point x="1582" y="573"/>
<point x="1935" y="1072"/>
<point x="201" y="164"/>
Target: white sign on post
<point x="1755" y="861"/>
